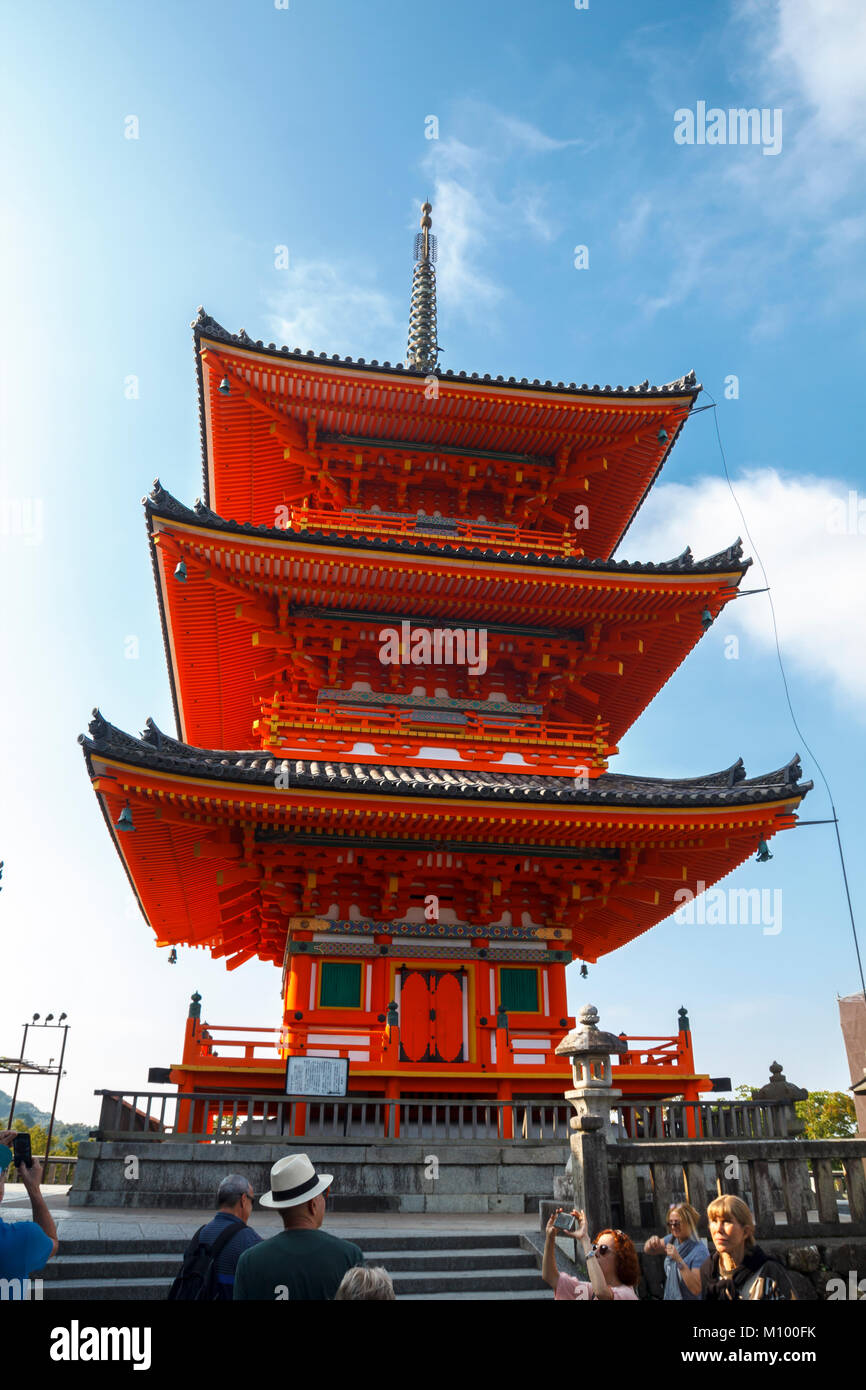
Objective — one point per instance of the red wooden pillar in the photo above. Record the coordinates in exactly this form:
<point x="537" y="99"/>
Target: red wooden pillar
<point x="556" y="985"/>
<point x="686" y="1060"/>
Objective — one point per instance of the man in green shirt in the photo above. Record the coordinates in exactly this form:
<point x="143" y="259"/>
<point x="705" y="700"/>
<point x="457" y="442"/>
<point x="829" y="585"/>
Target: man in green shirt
<point x="302" y="1262"/>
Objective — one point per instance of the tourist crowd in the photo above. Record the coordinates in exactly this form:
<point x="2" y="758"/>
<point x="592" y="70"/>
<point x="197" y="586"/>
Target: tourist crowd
<point x="738" y="1268"/>
<point x="226" y="1259"/>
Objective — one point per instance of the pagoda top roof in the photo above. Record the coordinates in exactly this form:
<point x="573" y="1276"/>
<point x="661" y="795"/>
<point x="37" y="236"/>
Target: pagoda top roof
<point x="161" y="503"/>
<point x="205" y="326"/>
<point x="276" y="396"/>
<point x="157" y="751"/>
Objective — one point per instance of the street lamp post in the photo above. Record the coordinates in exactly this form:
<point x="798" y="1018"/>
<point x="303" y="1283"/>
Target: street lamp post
<point x="21" y="1067"/>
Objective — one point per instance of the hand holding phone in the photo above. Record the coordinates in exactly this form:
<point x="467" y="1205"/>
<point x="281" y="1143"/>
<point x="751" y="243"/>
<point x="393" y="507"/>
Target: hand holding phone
<point x="565" y="1221"/>
<point x="22" y="1153"/>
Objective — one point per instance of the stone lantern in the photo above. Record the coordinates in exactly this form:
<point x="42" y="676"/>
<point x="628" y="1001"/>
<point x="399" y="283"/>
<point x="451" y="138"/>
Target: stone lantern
<point x="594" y="1093"/>
<point x="779" y="1088"/>
<point x="585" y="1181"/>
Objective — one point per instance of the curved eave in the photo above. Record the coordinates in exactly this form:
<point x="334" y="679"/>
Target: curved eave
<point x="207" y="632"/>
<point x="200" y="874"/>
<point x="512" y="396"/>
<point x="167" y="641"/>
<point x="161" y="506"/>
<point x="254" y="771"/>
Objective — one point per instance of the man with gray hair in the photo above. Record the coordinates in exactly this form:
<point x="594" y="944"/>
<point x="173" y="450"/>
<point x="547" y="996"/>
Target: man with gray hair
<point x="210" y="1260"/>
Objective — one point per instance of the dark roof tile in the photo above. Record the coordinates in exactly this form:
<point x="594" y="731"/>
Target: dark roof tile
<point x="162" y="504"/>
<point x="157" y="750"/>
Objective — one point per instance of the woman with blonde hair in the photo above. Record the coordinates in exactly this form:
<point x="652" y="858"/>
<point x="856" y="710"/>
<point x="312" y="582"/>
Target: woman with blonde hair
<point x="366" y="1284"/>
<point x="684" y="1253"/>
<point x="740" y="1269"/>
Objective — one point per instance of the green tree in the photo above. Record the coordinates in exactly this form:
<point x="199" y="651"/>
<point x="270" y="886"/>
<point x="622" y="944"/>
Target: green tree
<point x="828" y="1115"/>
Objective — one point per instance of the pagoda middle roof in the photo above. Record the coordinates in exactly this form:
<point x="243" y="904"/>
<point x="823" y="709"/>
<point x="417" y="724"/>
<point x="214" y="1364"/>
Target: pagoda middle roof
<point x="162" y="503"/>
<point x="212" y="662"/>
<point x="157" y="751"/>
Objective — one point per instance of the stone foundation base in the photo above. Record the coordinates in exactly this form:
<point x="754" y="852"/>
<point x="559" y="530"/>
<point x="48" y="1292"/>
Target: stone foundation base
<point x="471" y="1176"/>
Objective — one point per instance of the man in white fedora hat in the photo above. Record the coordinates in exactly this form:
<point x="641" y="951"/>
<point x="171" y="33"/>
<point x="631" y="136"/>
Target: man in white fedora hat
<point x="303" y="1261"/>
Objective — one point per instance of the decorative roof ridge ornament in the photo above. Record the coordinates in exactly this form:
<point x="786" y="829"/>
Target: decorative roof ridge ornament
<point x="157" y="494"/>
<point x="422" y="352"/>
<point x="731" y="555"/>
<point x="204" y="323"/>
<point x="788" y="774"/>
<point x="152" y="734"/>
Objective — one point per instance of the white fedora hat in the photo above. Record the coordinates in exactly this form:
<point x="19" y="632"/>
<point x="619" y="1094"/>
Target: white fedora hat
<point x="294" y="1180"/>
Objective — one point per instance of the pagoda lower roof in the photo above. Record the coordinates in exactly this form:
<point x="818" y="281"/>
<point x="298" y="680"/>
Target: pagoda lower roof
<point x="221" y="855"/>
<point x="157" y="750"/>
<point x="384" y="405"/>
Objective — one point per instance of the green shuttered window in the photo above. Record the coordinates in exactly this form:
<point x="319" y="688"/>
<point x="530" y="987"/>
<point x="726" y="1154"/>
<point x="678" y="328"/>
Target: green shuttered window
<point x="518" y="991"/>
<point x="341" y="985"/>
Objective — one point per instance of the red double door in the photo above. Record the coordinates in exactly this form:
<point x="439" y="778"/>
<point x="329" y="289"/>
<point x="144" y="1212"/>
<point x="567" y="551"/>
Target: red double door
<point x="431" y="1016"/>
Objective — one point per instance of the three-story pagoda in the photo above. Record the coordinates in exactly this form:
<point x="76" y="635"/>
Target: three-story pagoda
<point x="401" y="656"/>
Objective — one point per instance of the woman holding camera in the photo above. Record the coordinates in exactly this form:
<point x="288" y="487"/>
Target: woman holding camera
<point x="684" y="1253"/>
<point x="611" y="1262"/>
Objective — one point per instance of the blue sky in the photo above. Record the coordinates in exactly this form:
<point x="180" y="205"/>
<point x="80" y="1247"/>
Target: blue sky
<point x="307" y="128"/>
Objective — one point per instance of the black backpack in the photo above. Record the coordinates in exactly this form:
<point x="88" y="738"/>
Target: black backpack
<point x="197" y="1281"/>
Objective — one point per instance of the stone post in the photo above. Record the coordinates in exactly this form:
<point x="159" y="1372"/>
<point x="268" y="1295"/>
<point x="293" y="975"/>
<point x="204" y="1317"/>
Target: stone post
<point x="589" y="1050"/>
<point x="779" y="1088"/>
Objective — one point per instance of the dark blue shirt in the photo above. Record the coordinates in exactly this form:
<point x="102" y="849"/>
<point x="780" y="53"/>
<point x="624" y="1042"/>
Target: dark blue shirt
<point x="227" y="1260"/>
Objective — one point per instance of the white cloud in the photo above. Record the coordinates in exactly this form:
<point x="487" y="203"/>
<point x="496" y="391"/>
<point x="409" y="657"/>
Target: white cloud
<point x="744" y="229"/>
<point x="461" y="224"/>
<point x="771" y="322"/>
<point x="529" y="137"/>
<point x="325" y="307"/>
<point x="482" y="192"/>
<point x="821" y="46"/>
<point x="818" y="575"/>
<point x="631" y="228"/>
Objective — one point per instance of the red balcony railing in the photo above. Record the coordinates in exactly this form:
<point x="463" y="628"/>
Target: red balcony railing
<point x="451" y="532"/>
<point x="289" y="727"/>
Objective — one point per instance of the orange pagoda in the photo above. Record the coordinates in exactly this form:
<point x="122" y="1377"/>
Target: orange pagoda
<point x="401" y="657"/>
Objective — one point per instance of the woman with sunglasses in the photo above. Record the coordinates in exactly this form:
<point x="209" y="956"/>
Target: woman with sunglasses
<point x="684" y="1253"/>
<point x="611" y="1262"/>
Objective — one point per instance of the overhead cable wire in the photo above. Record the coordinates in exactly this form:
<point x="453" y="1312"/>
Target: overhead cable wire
<point x="794" y="720"/>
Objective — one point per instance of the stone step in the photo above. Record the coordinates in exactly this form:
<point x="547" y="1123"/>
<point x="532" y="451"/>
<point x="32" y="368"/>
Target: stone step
<point x="412" y="1240"/>
<point x="106" y="1290"/>
<point x="423" y="1260"/>
<point x="98" y="1249"/>
<point x="422" y="1266"/>
<point x="469" y="1284"/>
<point x="118" y="1266"/>
<point x="121" y="1265"/>
<point x="466" y="1296"/>
<point x="417" y="1240"/>
<point x="454" y="1281"/>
